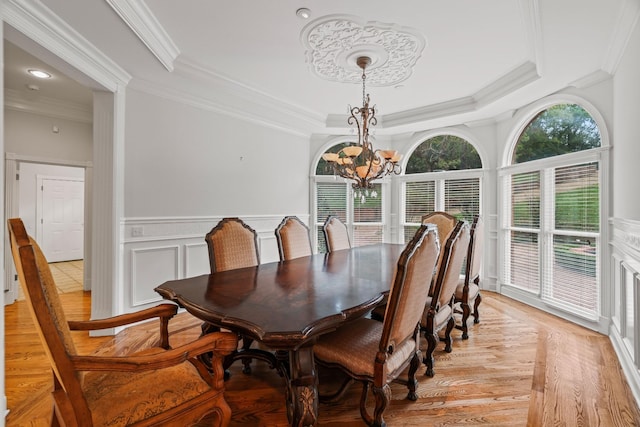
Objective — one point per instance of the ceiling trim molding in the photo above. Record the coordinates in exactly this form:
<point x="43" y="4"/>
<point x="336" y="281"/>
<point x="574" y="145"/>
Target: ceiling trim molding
<point x="521" y="76"/>
<point x="40" y="24"/>
<point x="591" y="79"/>
<point x="209" y="104"/>
<point x="148" y="29"/>
<point x="627" y="19"/>
<point x="49" y="107"/>
<point x="532" y="26"/>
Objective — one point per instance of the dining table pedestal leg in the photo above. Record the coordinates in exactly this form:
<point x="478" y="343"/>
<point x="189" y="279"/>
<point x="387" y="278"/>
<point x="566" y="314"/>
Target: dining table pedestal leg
<point x="302" y="388"/>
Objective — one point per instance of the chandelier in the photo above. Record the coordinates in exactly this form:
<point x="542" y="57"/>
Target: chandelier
<point x="360" y="163"/>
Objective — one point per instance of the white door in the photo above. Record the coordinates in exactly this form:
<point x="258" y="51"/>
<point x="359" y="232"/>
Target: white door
<point x="62" y="218"/>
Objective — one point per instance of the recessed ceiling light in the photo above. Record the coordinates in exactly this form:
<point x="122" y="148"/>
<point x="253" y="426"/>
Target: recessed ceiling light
<point x="303" y="13"/>
<point x="39" y="74"/>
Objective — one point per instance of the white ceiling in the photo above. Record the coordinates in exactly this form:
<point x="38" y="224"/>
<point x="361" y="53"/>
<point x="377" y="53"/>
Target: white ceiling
<point x="481" y="59"/>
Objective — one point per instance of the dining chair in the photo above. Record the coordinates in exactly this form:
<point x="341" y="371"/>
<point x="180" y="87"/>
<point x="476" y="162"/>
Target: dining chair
<point x="438" y="312"/>
<point x="232" y="244"/>
<point x="335" y="234"/>
<point x="445" y="223"/>
<point x="293" y="239"/>
<point x="376" y="353"/>
<point x="156" y="386"/>
<point x="468" y="290"/>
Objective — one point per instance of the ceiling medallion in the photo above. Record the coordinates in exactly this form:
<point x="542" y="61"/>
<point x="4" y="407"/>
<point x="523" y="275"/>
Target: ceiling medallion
<point x="334" y="43"/>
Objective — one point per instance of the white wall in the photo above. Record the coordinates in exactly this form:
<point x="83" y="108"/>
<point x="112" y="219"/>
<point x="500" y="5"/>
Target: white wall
<point x="626" y="154"/>
<point x="207" y="163"/>
<point x="186" y="168"/>
<point x="32" y="135"/>
<point x="625" y="214"/>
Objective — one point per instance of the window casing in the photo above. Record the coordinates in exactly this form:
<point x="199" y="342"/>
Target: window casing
<point x="551" y="233"/>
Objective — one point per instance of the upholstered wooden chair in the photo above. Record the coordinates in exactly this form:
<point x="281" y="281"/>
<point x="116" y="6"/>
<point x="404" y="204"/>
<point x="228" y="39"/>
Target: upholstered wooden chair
<point x="468" y="290"/>
<point x="156" y="386"/>
<point x="335" y="234"/>
<point x="376" y="353"/>
<point x="232" y="244"/>
<point x="445" y="223"/>
<point x="293" y="238"/>
<point x="438" y="313"/>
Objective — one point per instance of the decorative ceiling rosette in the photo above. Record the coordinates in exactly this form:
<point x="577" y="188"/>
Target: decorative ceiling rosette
<point x="334" y="43"/>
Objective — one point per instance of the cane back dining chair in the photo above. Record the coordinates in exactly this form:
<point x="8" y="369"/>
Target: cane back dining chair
<point x="152" y="387"/>
<point x="438" y="312"/>
<point x="293" y="238"/>
<point x="376" y="353"/>
<point x="468" y="290"/>
<point x="335" y="234"/>
<point x="232" y="244"/>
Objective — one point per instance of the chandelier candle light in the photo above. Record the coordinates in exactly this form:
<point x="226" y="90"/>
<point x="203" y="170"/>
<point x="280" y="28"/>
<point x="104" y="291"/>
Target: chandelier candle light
<point x="360" y="162"/>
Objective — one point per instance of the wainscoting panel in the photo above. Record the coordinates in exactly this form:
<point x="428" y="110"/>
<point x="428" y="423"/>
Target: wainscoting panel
<point x="161" y="249"/>
<point x="149" y="268"/>
<point x="625" y="297"/>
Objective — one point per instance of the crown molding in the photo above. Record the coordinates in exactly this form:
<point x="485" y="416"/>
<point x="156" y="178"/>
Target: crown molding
<point x="144" y="24"/>
<point x="248" y="113"/>
<point x="627" y="20"/>
<point x="518" y="78"/>
<point x="596" y="77"/>
<point x="49" y="107"/>
<point x="37" y="22"/>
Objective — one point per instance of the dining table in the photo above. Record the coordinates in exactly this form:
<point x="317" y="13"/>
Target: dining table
<point x="287" y="305"/>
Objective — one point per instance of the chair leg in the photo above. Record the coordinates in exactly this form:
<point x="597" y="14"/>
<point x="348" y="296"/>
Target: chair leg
<point x="476" y="314"/>
<point x="412" y="384"/>
<point x="466" y="311"/>
<point x="246" y="344"/>
<point x="448" y="341"/>
<point x="383" y="397"/>
<point x="432" y="340"/>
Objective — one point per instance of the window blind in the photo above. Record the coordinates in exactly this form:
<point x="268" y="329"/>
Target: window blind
<point x="331" y="199"/>
<point x="462" y="198"/>
<point x="571" y="279"/>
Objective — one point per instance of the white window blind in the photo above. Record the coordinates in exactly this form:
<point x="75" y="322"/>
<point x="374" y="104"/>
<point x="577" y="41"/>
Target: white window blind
<point x="367" y="219"/>
<point x="462" y="198"/>
<point x="331" y="199"/>
<point x="364" y="219"/>
<point x="524" y="248"/>
<point x="420" y="199"/>
<point x="458" y="196"/>
<point x="571" y="279"/>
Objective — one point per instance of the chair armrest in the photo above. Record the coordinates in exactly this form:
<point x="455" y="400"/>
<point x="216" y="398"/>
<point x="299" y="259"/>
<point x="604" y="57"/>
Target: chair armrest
<point x="220" y="343"/>
<point x="164" y="311"/>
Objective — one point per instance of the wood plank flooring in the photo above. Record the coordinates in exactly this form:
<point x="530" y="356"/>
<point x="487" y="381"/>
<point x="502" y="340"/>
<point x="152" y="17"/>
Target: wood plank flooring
<point x="520" y="367"/>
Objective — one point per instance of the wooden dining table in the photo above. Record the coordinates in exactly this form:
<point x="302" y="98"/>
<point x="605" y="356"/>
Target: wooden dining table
<point x="286" y="305"/>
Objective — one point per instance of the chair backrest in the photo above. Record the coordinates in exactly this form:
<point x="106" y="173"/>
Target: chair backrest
<point x="46" y="309"/>
<point x="293" y="238"/>
<point x="409" y="290"/>
<point x="474" y="254"/>
<point x="448" y="275"/>
<point x="232" y="244"/>
<point x="335" y="234"/>
<point x="445" y="223"/>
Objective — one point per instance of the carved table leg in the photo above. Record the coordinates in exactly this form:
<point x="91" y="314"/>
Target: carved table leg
<point x="302" y="388"/>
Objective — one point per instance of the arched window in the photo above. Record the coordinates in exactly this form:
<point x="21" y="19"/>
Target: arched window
<point x="442" y="174"/>
<point x="364" y="216"/>
<point x="551" y="219"/>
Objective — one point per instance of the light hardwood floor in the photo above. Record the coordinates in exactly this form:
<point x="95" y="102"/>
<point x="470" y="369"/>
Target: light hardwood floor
<point x="520" y="367"/>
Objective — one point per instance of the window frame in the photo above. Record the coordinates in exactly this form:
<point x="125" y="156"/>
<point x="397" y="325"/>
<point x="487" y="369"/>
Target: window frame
<point x="546" y="231"/>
